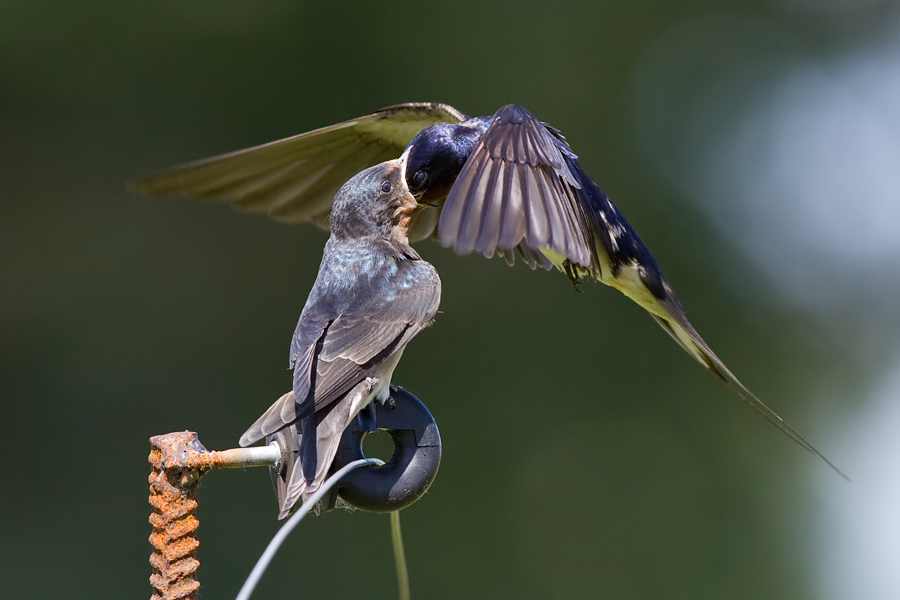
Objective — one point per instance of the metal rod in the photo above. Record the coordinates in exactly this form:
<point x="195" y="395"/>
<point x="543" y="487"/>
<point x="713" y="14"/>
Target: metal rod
<point x="239" y="458"/>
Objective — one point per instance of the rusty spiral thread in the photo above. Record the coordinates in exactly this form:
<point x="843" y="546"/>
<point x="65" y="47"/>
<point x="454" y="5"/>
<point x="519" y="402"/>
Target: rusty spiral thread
<point x="177" y="465"/>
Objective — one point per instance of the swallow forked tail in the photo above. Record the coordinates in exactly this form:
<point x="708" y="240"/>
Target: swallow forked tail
<point x="624" y="263"/>
<point x="687" y="337"/>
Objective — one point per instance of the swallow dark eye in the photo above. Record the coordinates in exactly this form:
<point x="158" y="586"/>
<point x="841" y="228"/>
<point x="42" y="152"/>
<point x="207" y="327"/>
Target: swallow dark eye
<point x="386" y="187"/>
<point x="420" y="177"/>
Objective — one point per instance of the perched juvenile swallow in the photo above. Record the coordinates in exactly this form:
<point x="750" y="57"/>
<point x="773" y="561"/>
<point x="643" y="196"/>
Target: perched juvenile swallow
<point x="372" y="295"/>
<point x="506" y="184"/>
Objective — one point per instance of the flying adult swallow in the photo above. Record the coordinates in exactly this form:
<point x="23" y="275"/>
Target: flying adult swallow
<point x="372" y="295"/>
<point x="506" y="184"/>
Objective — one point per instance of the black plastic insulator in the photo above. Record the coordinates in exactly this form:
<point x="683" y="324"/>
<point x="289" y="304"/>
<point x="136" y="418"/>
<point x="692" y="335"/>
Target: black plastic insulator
<point x="384" y="488"/>
<point x="412" y="467"/>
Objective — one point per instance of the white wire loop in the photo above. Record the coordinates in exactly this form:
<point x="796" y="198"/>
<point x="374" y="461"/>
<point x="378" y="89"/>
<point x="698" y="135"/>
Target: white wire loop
<point x="263" y="563"/>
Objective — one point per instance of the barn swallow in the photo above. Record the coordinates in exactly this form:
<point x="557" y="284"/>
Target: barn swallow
<point x="505" y="184"/>
<point x="372" y="295"/>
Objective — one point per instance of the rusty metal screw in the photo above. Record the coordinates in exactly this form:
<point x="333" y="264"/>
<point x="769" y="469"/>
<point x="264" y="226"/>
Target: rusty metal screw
<point x="178" y="461"/>
<point x="173" y="483"/>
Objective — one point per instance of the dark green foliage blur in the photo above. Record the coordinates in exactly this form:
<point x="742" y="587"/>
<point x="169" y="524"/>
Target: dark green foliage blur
<point x="585" y="455"/>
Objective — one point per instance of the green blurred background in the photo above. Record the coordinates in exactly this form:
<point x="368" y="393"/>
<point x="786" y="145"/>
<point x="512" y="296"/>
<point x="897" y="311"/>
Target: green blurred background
<point x="754" y="145"/>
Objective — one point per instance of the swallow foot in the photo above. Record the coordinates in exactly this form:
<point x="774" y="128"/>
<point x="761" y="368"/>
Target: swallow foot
<point x="576" y="274"/>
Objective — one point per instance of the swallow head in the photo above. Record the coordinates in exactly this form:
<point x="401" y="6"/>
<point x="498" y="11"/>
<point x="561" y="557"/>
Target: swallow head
<point x="376" y="202"/>
<point x="435" y="157"/>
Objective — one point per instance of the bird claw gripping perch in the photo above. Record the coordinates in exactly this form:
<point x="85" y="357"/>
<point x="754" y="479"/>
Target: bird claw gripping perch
<point x="392" y="486"/>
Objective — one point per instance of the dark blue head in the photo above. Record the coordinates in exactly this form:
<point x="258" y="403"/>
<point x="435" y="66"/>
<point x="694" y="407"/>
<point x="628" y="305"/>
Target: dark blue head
<point x="436" y="156"/>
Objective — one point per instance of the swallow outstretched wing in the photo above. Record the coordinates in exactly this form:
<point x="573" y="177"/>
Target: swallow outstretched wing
<point x="295" y="179"/>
